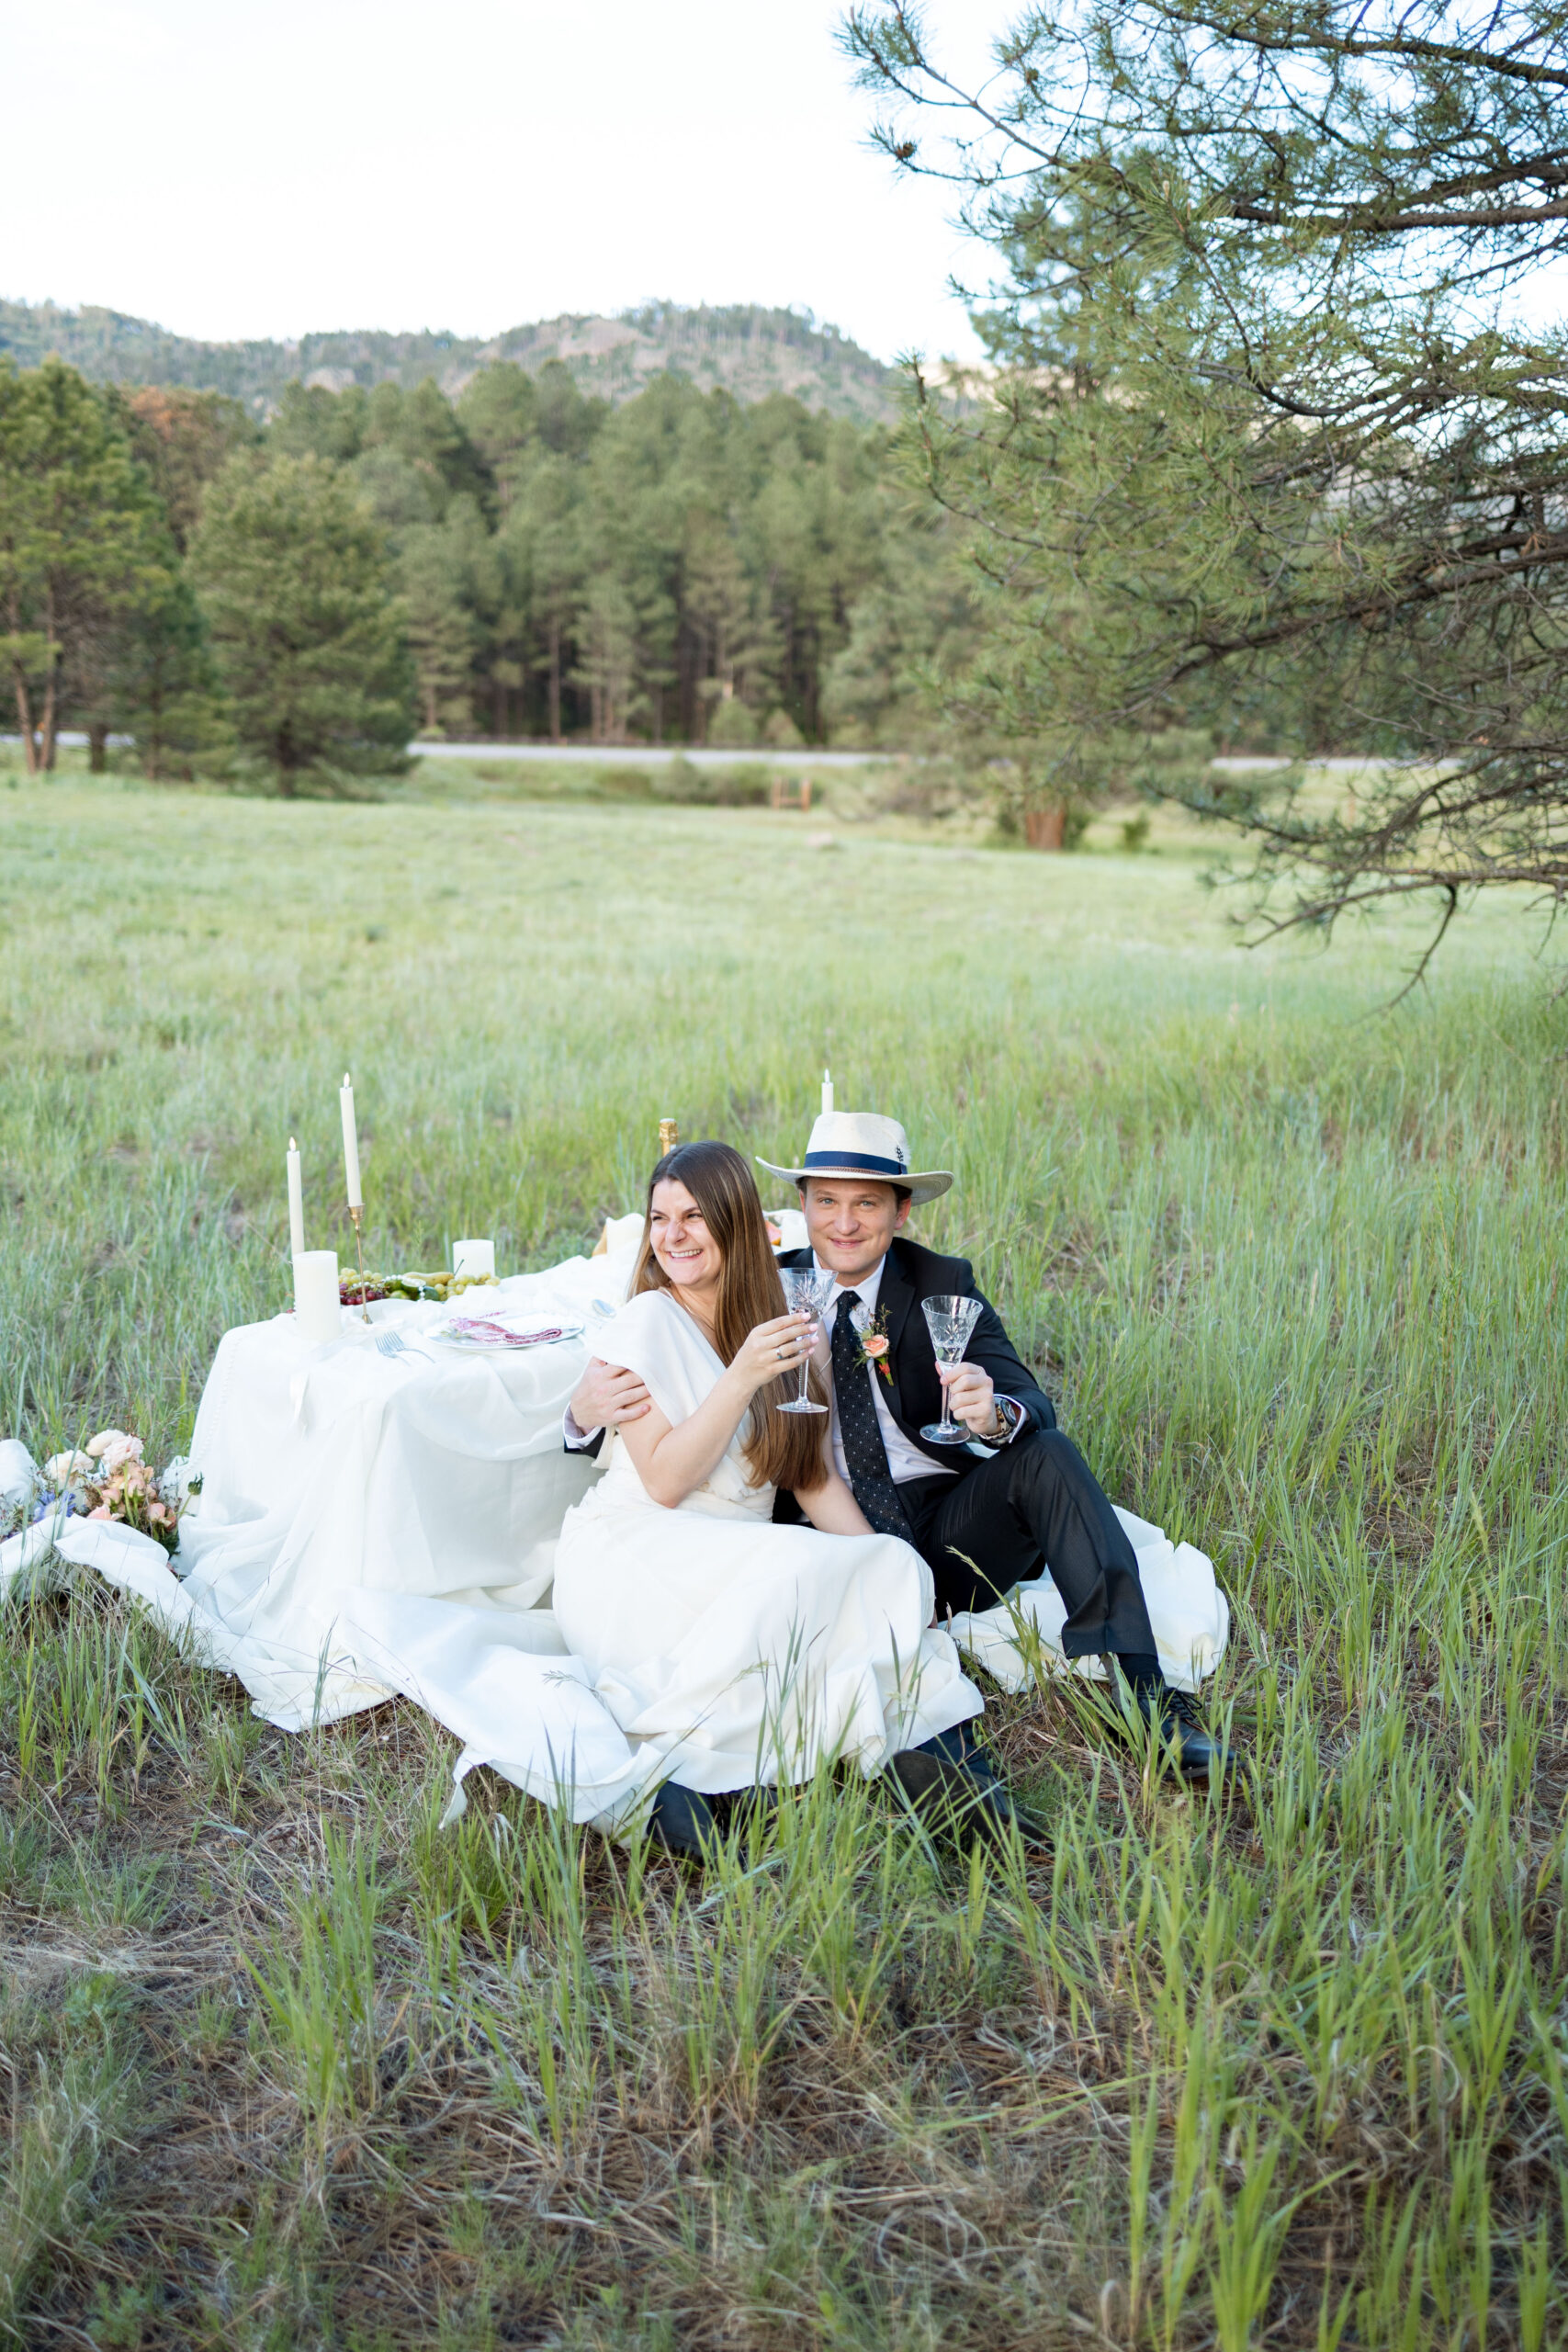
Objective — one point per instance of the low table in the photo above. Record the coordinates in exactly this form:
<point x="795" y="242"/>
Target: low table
<point x="417" y="1468"/>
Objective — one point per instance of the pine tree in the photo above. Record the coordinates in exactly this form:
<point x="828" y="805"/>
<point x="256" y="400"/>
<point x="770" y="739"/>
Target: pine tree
<point x="1263" y="429"/>
<point x="82" y="542"/>
<point x="298" y="590"/>
<point x="183" y="438"/>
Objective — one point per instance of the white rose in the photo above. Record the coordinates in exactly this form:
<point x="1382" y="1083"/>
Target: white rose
<point x="64" y="1470"/>
<point x="173" y="1487"/>
<point x="119" y="1450"/>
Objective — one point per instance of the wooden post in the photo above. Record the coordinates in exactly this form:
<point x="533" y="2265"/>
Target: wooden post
<point x="1046" y="828"/>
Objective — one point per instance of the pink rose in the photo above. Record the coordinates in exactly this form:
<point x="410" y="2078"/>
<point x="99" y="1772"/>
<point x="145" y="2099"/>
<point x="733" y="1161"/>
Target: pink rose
<point x="103" y="1511"/>
<point x="876" y="1347"/>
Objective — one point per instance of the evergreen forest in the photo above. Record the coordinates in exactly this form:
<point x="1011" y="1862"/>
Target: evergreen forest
<point x="526" y="560"/>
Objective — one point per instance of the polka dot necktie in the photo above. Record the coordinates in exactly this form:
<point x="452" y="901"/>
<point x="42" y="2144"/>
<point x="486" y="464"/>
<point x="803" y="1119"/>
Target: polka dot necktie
<point x="871" y="1481"/>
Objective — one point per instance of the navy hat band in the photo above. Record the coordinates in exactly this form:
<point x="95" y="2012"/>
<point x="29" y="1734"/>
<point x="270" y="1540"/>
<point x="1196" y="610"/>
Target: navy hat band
<point x="861" y="1161"/>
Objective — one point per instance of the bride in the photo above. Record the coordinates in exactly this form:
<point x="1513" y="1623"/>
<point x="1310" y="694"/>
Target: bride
<point x="746" y="1653"/>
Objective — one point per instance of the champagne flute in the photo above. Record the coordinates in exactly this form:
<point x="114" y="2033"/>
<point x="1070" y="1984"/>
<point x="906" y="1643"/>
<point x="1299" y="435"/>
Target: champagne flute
<point x="949" y="1320"/>
<point x="806" y="1292"/>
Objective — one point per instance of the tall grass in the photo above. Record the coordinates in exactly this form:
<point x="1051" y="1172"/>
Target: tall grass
<point x="1283" y="2064"/>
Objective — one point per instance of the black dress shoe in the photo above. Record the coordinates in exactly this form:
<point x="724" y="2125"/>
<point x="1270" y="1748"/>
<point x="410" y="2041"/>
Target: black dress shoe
<point x="683" y="1821"/>
<point x="748" y="1809"/>
<point x="952" y="1783"/>
<point x="1197" y="1754"/>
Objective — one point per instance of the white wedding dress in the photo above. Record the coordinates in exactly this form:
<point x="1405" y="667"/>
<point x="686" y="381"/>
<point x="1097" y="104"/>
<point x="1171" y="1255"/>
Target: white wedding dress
<point x="741" y="1651"/>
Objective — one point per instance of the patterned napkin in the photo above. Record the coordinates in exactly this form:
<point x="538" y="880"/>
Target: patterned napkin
<point x="484" y="1333"/>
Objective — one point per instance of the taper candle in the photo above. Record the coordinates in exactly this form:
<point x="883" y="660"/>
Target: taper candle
<point x="350" y="1143"/>
<point x="826" y="1092"/>
<point x="295" y="1201"/>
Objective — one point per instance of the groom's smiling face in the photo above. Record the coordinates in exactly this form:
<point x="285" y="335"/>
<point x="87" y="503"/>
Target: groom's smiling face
<point x="850" y="1223"/>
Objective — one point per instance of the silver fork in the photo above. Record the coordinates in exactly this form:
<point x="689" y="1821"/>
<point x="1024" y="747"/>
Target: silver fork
<point x="392" y="1344"/>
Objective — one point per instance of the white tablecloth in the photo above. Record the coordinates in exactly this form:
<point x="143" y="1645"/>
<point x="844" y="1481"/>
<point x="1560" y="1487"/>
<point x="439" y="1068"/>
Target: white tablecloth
<point x="372" y="1524"/>
<point x="333" y="1472"/>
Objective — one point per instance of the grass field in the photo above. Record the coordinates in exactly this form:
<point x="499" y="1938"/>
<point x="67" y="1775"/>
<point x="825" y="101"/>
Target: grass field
<point x="284" y="2064"/>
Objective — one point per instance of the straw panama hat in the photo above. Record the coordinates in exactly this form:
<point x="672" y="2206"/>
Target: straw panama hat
<point x="858" y="1143"/>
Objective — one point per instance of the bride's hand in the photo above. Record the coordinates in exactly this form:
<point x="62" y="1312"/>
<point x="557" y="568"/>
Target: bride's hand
<point x="780" y="1346"/>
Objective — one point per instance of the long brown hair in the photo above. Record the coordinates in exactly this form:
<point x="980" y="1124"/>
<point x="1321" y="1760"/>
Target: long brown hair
<point x="781" y="1449"/>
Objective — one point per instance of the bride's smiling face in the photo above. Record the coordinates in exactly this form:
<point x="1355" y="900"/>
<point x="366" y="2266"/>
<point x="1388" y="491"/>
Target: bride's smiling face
<point x="680" y="1239"/>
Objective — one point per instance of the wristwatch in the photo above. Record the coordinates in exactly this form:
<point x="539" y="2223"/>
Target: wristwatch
<point x="1010" y="1418"/>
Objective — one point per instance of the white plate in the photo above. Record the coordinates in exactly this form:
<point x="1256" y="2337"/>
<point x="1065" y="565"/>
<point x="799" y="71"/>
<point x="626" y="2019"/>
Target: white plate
<point x="537" y="1335"/>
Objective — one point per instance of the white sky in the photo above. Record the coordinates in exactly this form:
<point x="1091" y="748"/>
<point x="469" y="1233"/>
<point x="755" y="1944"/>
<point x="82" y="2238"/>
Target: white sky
<point x="265" y="167"/>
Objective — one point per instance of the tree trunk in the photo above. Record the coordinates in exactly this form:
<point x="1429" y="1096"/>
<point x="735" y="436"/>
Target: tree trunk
<point x="19" y="679"/>
<point x="97" y="750"/>
<point x="46" y="745"/>
<point x="554" y="682"/>
<point x="25" y="724"/>
<point x="1046" y="828"/>
<point x="151" y="740"/>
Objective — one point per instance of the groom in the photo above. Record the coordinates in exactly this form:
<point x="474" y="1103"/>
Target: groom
<point x="1019" y="1498"/>
<point x="988" y="1516"/>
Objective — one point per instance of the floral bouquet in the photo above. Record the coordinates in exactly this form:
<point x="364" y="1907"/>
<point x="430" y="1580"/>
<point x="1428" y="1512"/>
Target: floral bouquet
<point x="109" y="1479"/>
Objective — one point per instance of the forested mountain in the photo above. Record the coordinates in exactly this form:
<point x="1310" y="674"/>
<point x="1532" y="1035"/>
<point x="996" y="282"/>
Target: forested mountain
<point x="746" y="350"/>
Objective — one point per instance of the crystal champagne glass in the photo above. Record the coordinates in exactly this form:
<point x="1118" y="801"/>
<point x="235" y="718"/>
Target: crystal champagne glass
<point x="950" y="1318"/>
<point x="806" y="1292"/>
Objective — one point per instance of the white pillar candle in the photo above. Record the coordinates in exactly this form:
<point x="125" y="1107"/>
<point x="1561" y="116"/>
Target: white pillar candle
<point x="475" y="1258"/>
<point x="316" y="1307"/>
<point x="296" y="1199"/>
<point x="350" y="1143"/>
<point x="827" y="1094"/>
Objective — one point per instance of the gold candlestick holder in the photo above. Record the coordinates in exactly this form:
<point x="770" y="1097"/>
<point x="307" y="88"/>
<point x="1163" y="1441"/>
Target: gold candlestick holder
<point x="358" y="1217"/>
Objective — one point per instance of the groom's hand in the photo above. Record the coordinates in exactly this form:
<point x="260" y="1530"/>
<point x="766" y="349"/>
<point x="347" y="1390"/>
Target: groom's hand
<point x="606" y="1395"/>
<point x="971" y="1396"/>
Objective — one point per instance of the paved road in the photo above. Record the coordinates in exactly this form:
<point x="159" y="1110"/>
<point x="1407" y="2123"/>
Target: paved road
<point x="636" y="755"/>
<point x="642" y="755"/>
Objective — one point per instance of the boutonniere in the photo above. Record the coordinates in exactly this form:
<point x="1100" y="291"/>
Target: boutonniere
<point x="875" y="1346"/>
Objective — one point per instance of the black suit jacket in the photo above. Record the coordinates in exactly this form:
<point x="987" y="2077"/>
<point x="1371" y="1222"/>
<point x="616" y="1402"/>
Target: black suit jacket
<point x="909" y="1274"/>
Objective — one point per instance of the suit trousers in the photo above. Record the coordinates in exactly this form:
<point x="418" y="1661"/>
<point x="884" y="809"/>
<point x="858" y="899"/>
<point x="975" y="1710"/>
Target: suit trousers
<point x="1034" y="1503"/>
